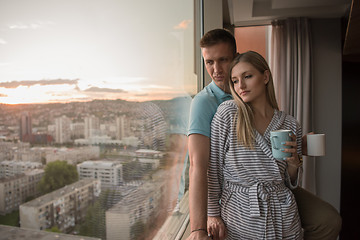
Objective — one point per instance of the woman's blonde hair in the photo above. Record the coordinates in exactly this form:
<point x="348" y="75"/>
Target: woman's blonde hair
<point x="245" y="116"/>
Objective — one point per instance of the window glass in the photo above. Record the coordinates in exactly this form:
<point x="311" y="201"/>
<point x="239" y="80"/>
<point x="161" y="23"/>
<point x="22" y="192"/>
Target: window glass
<point x="94" y="101"/>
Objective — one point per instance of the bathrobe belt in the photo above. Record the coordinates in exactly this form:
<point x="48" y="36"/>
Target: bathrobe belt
<point x="257" y="191"/>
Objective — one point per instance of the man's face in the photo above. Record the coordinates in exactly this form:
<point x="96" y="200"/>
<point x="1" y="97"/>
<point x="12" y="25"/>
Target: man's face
<point x="217" y="59"/>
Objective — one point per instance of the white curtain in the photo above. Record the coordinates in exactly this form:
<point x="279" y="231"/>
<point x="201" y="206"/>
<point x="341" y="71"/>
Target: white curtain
<point x="291" y="68"/>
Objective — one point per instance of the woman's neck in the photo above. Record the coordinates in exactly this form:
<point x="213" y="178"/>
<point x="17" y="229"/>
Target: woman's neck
<point x="263" y="110"/>
<point x="262" y="117"/>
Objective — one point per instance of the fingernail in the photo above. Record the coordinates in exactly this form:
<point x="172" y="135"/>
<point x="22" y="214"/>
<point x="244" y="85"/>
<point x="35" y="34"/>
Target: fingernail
<point x="284" y="158"/>
<point x="283" y="142"/>
<point x="282" y="150"/>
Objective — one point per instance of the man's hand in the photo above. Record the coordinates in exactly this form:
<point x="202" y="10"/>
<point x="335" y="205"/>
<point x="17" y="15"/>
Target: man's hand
<point x="304" y="143"/>
<point x="216" y="228"/>
<point x="198" y="235"/>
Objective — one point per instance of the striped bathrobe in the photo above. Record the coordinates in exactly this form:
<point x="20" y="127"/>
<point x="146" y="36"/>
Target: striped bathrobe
<point x="248" y="188"/>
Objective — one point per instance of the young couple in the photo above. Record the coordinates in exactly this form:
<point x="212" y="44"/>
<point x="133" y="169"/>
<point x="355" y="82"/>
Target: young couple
<point x="237" y="189"/>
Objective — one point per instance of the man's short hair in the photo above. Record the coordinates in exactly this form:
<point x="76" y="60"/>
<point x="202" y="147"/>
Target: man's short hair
<point x="217" y="36"/>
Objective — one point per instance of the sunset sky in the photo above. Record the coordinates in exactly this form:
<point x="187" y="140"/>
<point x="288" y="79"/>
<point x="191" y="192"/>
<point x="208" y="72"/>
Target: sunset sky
<point x="79" y="50"/>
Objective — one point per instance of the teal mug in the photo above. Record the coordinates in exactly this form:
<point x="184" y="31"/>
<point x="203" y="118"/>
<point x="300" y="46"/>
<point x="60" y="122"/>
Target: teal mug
<point x="277" y="138"/>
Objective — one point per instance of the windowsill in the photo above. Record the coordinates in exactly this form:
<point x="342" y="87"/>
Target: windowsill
<point x="176" y="224"/>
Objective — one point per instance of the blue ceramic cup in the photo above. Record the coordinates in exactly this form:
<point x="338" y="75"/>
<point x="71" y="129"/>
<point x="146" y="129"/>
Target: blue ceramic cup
<point x="277" y="139"/>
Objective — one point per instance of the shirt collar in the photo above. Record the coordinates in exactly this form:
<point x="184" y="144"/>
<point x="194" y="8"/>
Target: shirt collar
<point x="218" y="92"/>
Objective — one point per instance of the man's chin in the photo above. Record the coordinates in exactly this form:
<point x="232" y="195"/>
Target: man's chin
<point x="220" y="84"/>
<point x="219" y="79"/>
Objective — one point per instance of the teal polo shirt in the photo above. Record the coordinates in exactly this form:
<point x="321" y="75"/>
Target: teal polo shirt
<point x="203" y="108"/>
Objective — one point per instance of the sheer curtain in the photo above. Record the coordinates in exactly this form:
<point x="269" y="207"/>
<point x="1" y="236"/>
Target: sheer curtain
<point x="291" y="68"/>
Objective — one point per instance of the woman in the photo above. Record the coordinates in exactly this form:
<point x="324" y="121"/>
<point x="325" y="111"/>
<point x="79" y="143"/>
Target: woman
<point x="249" y="190"/>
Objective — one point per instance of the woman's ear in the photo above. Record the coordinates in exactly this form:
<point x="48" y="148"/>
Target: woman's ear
<point x="266" y="76"/>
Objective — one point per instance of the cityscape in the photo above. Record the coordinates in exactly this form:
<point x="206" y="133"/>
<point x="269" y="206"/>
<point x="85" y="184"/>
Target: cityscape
<point x="93" y="114"/>
<point x="102" y="169"/>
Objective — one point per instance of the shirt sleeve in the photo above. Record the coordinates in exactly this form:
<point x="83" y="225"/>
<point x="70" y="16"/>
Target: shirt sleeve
<point x="201" y="114"/>
<point x="219" y="131"/>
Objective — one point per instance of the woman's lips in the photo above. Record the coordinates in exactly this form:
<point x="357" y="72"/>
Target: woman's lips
<point x="243" y="93"/>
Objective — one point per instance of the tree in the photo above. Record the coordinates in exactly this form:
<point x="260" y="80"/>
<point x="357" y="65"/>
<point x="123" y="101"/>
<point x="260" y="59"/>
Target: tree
<point x="43" y="160"/>
<point x="94" y="223"/>
<point x="53" y="229"/>
<point x="11" y="219"/>
<point x="57" y="175"/>
<point x="29" y="198"/>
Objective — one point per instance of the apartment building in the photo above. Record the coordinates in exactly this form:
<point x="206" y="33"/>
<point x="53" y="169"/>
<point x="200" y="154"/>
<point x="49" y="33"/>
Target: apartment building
<point x="149" y="157"/>
<point x="63" y="208"/>
<point x="62" y="129"/>
<point x="109" y="173"/>
<point x="121" y="127"/>
<point x="25" y="127"/>
<point x="16" y="189"/>
<point x="77" y="130"/>
<point x="139" y="205"/>
<point x="11" y="168"/>
<point x="10" y="150"/>
<point x="72" y="155"/>
<point x="92" y="126"/>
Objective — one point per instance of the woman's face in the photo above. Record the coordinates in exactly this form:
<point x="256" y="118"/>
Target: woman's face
<point x="249" y="83"/>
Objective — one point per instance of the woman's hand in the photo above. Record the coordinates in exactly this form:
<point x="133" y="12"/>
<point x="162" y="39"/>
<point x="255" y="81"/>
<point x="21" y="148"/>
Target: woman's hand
<point x="216" y="228"/>
<point x="294" y="160"/>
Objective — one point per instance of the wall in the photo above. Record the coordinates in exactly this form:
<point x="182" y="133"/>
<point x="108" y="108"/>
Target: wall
<point x="327" y="98"/>
<point x="117" y="226"/>
<point x="252" y="38"/>
<point x="213" y="18"/>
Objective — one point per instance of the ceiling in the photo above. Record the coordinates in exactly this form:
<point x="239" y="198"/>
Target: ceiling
<point x="240" y="13"/>
<point x="259" y="12"/>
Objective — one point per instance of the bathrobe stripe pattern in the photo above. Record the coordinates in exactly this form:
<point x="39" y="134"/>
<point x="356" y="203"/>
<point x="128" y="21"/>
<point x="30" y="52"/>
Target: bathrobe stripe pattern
<point x="248" y="188"/>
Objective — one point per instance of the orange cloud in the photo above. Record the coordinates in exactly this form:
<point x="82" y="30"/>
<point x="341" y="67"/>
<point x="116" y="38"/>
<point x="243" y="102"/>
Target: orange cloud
<point x="183" y="25"/>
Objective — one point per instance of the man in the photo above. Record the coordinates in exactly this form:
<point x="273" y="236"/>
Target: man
<point x="319" y="219"/>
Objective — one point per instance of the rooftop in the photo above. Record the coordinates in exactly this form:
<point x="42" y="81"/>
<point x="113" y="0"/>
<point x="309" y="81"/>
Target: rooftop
<point x="16" y="233"/>
<point x="21" y="175"/>
<point x="11" y="178"/>
<point x="137" y="196"/>
<point x="147" y="151"/>
<point x="100" y="164"/>
<point x="47" y="198"/>
<point x="21" y="163"/>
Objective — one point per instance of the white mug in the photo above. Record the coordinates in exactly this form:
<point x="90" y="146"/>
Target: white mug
<point x="316" y="145"/>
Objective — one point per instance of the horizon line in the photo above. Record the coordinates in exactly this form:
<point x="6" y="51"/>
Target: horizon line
<point x="86" y="101"/>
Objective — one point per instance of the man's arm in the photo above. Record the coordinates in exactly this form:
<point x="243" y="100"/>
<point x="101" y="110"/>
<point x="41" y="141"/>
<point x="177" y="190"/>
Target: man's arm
<point x="199" y="151"/>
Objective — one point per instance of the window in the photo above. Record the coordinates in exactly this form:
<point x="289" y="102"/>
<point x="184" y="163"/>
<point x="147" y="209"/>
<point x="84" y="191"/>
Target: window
<point x="97" y="81"/>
